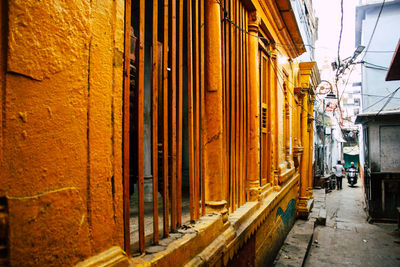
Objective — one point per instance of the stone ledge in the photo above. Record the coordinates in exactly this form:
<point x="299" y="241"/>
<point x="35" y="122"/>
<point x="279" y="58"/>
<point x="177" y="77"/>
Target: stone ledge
<point x="297" y="243"/>
<point x="210" y="240"/>
<point x="114" y="256"/>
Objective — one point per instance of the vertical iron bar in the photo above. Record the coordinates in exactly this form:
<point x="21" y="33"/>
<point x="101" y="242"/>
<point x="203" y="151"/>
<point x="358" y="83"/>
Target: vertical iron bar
<point x="154" y="79"/>
<point x="173" y="115"/>
<point x="237" y="176"/>
<point x="232" y="109"/>
<point x="140" y="87"/>
<point x="202" y="106"/>
<point x="190" y="107"/>
<point x="196" y="110"/>
<point x="165" y="121"/>
<point x="126" y="117"/>
<point x="180" y="114"/>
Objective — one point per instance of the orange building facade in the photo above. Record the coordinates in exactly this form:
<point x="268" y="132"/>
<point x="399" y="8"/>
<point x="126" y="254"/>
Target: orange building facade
<point x="152" y="133"/>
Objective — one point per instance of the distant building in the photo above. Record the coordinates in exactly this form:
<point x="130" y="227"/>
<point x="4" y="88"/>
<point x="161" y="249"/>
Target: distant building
<point x="377" y="28"/>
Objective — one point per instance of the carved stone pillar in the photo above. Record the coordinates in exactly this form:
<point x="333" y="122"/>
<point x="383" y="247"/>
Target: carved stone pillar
<point x="297" y="146"/>
<point x="310" y="165"/>
<point x="213" y="148"/>
<point x="253" y="149"/>
<point x="302" y="206"/>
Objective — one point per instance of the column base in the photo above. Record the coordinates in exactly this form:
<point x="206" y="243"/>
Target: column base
<point x="277" y="188"/>
<point x="254" y="193"/>
<point x="304" y="207"/>
<point x="217" y="207"/>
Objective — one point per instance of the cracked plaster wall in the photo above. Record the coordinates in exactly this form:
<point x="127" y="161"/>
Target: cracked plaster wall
<point x="61" y="128"/>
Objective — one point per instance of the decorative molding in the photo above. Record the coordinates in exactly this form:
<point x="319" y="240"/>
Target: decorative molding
<point x="286" y="175"/>
<point x="219" y="207"/>
<point x="304" y="206"/>
<point x="254" y="21"/>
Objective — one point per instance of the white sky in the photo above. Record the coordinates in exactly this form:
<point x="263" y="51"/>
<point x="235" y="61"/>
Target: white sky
<point x="328" y="12"/>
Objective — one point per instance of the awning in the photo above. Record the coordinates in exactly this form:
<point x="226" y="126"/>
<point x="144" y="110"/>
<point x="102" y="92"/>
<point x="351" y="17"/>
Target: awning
<point x="351" y="150"/>
<point x="365" y="117"/>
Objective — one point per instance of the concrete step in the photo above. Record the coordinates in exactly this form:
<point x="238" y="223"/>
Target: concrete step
<point x="297" y="244"/>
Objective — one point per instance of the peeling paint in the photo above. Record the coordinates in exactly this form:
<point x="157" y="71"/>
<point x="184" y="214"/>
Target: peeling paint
<point x="24" y="134"/>
<point x="49" y="110"/>
<point x="23" y="116"/>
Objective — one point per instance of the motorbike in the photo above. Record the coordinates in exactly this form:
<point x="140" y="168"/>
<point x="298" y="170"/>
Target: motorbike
<point x="352" y="176"/>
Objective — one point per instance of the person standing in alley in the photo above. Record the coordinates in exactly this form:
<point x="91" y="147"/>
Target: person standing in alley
<point x="339" y="172"/>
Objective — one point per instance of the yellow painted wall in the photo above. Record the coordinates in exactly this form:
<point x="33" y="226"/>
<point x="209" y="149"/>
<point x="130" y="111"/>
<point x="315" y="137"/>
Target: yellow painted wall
<point x="273" y="231"/>
<point x="61" y="142"/>
<point x="61" y="128"/>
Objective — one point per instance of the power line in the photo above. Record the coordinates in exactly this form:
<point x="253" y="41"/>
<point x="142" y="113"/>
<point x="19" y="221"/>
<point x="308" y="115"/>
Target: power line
<point x="387" y="102"/>
<point x="382" y="96"/>
<point x="227" y="18"/>
<point x="281" y="87"/>
<point x="366" y="50"/>
<point x="390" y="96"/>
<point x="340" y="36"/>
<point x="230" y="21"/>
<point x="373" y="31"/>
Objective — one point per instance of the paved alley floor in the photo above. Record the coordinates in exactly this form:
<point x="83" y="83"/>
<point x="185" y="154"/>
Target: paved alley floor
<point x="348" y="239"/>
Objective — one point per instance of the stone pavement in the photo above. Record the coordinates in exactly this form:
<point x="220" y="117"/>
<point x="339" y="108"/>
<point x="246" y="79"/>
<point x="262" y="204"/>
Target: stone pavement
<point x="337" y="234"/>
<point x="348" y="239"/>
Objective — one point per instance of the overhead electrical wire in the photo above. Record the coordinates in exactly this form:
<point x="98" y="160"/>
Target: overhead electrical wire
<point x="366" y="50"/>
<point x="340" y="37"/>
<point x="373" y="31"/>
<point x="229" y="20"/>
<point x="387" y="102"/>
<point x="390" y="96"/>
<point x="226" y="18"/>
<point x="381" y="96"/>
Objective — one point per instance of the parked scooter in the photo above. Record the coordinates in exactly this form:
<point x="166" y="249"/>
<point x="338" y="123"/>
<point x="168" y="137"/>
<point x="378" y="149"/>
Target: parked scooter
<point x="352" y="175"/>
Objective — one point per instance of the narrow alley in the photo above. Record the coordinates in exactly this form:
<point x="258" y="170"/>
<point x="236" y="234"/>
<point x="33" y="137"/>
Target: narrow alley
<point x="348" y="239"/>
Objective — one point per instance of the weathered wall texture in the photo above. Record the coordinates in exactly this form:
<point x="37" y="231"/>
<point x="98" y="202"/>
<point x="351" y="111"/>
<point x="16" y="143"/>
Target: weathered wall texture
<point x="61" y="130"/>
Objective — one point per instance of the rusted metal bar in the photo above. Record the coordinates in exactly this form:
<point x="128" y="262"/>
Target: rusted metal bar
<point x="275" y="100"/>
<point x="165" y="121"/>
<point x="196" y="108"/>
<point x="154" y="79"/>
<point x="180" y="114"/>
<point x="232" y="109"/>
<point x="226" y="87"/>
<point x="237" y="136"/>
<point x="240" y="98"/>
<point x="190" y="108"/>
<point x="245" y="104"/>
<point x="202" y="106"/>
<point x="242" y="95"/>
<point x="140" y="94"/>
<point x="127" y="56"/>
<point x="173" y="116"/>
<point x="246" y="118"/>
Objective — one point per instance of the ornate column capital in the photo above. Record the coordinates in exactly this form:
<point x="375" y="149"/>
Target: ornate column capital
<point x="254" y="22"/>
